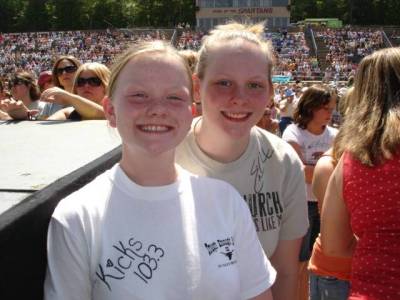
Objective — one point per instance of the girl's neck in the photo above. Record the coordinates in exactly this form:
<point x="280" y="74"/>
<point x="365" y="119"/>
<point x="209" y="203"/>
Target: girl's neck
<point x="217" y="144"/>
<point x="315" y="129"/>
<point x="69" y="88"/>
<point x="149" y="170"/>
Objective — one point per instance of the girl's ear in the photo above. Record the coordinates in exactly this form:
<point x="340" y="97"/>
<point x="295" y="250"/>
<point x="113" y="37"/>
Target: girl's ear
<point x="196" y="88"/>
<point x="109" y="111"/>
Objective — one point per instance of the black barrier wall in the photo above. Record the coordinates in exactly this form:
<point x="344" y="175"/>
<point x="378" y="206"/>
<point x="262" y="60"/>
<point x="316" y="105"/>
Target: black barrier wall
<point x="23" y="231"/>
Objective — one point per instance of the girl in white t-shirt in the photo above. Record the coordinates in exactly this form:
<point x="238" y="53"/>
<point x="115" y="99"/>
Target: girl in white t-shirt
<point x="147" y="229"/>
<point x="311" y="136"/>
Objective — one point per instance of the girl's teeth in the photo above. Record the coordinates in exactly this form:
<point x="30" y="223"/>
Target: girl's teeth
<point x="236" y="115"/>
<point x="155" y="128"/>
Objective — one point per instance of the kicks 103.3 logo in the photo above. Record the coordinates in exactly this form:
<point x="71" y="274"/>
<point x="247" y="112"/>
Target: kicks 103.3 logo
<point x="224" y="248"/>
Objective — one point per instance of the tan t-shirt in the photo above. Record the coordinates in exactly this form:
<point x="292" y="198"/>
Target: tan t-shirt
<point x="269" y="177"/>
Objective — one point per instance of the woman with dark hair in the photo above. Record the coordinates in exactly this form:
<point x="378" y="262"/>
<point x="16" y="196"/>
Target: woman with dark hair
<point x="311" y="136"/>
<point x="64" y="70"/>
<point x="329" y="275"/>
<point x="25" y="95"/>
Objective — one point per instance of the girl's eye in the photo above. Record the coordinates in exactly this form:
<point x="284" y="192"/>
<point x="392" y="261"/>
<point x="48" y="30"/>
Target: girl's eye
<point x="139" y="95"/>
<point x="254" y="85"/>
<point x="225" y="83"/>
<point x="174" y="97"/>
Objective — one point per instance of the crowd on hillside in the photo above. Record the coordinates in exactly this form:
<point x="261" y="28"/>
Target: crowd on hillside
<point x="346" y="47"/>
<point x="190" y="40"/>
<point x="35" y="52"/>
<point x="293" y="56"/>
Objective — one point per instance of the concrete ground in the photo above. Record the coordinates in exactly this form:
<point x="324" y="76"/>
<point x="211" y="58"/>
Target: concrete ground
<point x="34" y="154"/>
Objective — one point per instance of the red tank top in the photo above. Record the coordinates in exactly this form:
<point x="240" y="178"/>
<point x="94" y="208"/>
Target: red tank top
<point x="372" y="196"/>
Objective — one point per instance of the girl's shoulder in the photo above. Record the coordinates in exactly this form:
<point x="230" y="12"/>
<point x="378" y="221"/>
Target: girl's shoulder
<point x="85" y="201"/>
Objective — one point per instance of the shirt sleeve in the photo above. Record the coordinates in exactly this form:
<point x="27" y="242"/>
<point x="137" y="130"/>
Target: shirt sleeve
<point x="290" y="134"/>
<point x="67" y="275"/>
<point x="256" y="273"/>
<point x="295" y="218"/>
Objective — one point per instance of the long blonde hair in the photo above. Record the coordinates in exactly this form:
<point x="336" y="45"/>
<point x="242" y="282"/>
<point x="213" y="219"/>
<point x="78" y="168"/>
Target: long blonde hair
<point x="371" y="130"/>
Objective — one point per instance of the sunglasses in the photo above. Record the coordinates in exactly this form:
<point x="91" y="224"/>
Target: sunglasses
<point x="68" y="69"/>
<point x="17" y="81"/>
<point x="92" y="81"/>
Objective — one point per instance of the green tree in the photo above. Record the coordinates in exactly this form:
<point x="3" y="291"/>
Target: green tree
<point x="36" y="16"/>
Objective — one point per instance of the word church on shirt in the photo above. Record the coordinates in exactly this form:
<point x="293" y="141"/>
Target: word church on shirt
<point x="266" y="210"/>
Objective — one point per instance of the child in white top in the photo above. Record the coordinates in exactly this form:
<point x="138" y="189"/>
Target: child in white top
<point x="148" y="229"/>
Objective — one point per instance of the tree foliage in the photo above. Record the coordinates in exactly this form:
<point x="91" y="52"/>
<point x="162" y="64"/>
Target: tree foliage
<point x="358" y="12"/>
<point x="43" y="15"/>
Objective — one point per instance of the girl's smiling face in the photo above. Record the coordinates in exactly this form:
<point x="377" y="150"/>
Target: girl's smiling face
<point x="235" y="89"/>
<point x="151" y="105"/>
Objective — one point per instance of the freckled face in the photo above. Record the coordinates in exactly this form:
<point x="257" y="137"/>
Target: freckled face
<point x="152" y="103"/>
<point x="235" y="89"/>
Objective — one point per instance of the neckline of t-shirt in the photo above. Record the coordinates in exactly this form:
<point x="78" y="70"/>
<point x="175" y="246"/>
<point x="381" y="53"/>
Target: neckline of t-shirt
<point x="151" y="193"/>
<point x="214" y="165"/>
<point x="316" y="135"/>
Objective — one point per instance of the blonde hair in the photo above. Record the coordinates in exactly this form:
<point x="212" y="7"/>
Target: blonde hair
<point x="346" y="104"/>
<point x="100" y="70"/>
<point x="145" y="48"/>
<point x="191" y="58"/>
<point x="371" y="129"/>
<point x="234" y="32"/>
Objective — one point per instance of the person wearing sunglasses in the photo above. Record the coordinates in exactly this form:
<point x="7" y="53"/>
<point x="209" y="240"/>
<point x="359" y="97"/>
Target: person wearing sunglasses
<point x="64" y="70"/>
<point x="89" y="87"/>
<point x="25" y="94"/>
<point x="58" y="97"/>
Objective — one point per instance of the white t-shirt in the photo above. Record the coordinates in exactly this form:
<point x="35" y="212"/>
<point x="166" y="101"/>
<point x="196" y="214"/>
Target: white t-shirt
<point x="270" y="178"/>
<point x="312" y="146"/>
<point x="193" y="239"/>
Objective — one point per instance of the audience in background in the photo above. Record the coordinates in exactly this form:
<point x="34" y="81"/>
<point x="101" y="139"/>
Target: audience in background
<point x="89" y="89"/>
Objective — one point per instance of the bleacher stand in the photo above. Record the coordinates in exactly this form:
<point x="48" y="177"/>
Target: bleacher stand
<point x="37" y="51"/>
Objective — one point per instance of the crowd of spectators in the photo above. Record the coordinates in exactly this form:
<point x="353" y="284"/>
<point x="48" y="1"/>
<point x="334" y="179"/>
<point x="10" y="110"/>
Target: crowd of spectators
<point x="35" y="52"/>
<point x="346" y="47"/>
<point x="293" y="56"/>
<point x="291" y="50"/>
<point x="190" y="40"/>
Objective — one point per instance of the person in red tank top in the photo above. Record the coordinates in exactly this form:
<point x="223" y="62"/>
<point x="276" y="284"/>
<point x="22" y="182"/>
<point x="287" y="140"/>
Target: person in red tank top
<point x="361" y="210"/>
